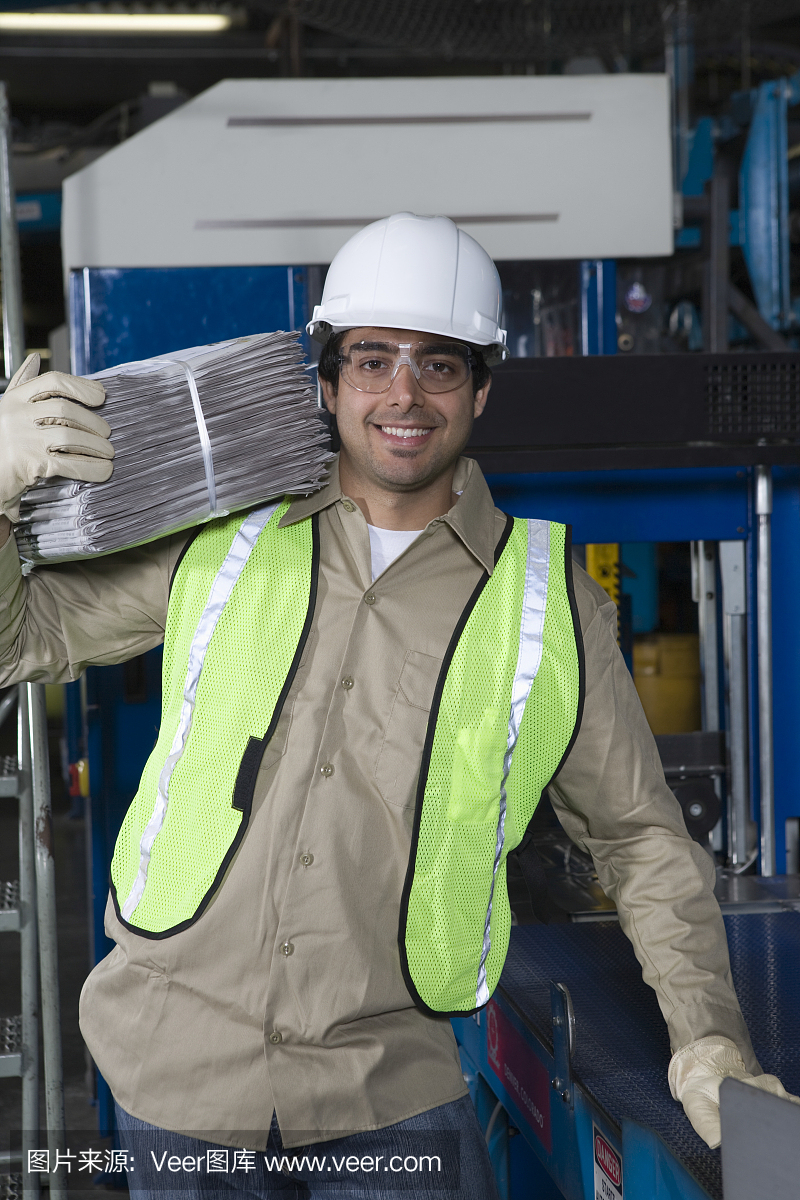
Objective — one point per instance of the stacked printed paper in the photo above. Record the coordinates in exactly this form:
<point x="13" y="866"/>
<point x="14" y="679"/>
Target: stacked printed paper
<point x="197" y="433"/>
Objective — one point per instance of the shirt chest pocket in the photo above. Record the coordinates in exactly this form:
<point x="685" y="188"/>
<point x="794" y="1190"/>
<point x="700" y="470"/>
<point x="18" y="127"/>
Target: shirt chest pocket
<point x="400" y="754"/>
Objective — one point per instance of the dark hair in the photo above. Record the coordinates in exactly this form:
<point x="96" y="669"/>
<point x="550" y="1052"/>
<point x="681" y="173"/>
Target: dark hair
<point x="329" y="363"/>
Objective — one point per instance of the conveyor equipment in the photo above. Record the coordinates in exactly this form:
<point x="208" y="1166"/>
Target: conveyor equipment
<point x="574" y="1046"/>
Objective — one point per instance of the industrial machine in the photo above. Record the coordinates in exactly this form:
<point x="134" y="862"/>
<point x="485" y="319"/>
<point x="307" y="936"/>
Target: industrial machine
<point x="585" y="426"/>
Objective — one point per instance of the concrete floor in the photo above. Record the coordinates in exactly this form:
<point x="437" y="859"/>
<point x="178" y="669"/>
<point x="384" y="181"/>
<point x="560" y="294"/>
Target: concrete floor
<point x="73" y="952"/>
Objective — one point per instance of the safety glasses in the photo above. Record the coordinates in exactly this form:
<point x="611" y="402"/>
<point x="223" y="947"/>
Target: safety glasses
<point x="437" y="367"/>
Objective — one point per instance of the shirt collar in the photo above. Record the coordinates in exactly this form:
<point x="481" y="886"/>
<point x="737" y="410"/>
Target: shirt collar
<point x="472" y="517"/>
<point x="306" y="506"/>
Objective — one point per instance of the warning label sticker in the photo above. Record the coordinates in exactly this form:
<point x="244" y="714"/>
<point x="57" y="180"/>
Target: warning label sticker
<point x="607" y="1168"/>
<point x="524" y="1077"/>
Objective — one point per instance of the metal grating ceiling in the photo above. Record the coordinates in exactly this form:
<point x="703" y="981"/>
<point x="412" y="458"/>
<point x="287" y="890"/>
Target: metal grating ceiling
<point x="536" y="30"/>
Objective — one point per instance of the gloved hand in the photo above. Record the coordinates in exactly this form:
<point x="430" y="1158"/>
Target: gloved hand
<point x="695" y="1074"/>
<point x="43" y="432"/>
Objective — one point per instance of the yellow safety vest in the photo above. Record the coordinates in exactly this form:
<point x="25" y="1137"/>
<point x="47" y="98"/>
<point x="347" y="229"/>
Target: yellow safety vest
<point x="505" y="712"/>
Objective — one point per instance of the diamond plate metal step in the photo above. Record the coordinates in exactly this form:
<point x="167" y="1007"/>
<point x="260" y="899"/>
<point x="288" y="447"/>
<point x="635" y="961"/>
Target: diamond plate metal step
<point x="10" y="1046"/>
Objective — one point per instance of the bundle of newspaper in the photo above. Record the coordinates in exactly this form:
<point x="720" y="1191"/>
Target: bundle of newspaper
<point x="197" y="434"/>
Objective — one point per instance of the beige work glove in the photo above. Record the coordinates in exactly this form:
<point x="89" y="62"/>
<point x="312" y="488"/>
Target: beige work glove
<point x="43" y="432"/>
<point x="695" y="1074"/>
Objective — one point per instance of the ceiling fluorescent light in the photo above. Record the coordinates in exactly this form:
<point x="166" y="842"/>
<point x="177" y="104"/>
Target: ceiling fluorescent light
<point x="114" y="22"/>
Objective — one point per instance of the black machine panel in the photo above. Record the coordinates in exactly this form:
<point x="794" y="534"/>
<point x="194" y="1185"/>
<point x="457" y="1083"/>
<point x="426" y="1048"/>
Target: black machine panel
<point x="646" y="411"/>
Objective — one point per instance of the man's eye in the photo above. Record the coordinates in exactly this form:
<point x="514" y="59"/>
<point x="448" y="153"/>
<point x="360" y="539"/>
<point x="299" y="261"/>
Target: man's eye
<point x="372" y="364"/>
<point x="436" y="367"/>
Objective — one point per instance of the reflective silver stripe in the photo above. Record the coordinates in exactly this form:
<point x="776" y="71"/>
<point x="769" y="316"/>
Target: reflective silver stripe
<point x="236" y="559"/>
<point x="529" y="657"/>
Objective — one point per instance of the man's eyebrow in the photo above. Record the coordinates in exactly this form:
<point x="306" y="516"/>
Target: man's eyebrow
<point x="444" y="348"/>
<point x="389" y="347"/>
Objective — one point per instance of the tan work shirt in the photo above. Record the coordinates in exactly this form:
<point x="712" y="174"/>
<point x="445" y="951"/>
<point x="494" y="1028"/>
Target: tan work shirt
<point x="287" y="993"/>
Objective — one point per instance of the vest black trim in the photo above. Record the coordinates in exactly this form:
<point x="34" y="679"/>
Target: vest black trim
<point x="576" y="623"/>
<point x="193" y="533"/>
<point x="244" y="786"/>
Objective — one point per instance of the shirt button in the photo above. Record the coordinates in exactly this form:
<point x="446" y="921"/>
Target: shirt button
<point x="326" y="769"/>
<point x="347" y="682"/>
<point x="275" y="1037"/>
<point x="348" y="506"/>
<point x="306" y="859"/>
<point x="286" y="949"/>
<point x="369" y="598"/>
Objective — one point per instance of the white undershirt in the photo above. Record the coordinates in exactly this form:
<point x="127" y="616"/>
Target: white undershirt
<point x="387" y="545"/>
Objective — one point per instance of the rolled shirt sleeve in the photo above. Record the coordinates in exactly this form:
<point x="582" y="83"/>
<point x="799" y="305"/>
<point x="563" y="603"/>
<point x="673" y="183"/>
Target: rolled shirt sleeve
<point x="613" y="801"/>
<point x="58" y="620"/>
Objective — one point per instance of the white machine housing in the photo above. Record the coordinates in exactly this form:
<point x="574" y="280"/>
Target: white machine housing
<point x="285" y="171"/>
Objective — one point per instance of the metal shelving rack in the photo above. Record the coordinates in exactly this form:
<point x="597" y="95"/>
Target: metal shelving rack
<point x="28" y="906"/>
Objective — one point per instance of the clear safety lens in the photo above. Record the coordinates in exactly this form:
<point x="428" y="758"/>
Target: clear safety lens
<point x="372" y="366"/>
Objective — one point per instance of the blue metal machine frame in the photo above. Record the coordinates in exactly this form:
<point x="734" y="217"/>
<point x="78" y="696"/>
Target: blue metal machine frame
<point x="694" y="504"/>
<point x="557" y="1162"/>
<point x="119" y="316"/>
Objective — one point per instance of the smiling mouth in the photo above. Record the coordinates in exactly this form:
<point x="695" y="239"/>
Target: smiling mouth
<point x="405" y="431"/>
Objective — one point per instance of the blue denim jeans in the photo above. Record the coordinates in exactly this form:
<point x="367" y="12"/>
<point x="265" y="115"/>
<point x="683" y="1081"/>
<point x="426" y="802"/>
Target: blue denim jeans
<point x="438" y="1154"/>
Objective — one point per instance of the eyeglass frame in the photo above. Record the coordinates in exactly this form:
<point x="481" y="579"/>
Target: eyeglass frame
<point x="405" y="360"/>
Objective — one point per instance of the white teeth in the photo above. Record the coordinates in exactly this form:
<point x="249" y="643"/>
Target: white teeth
<point x="403" y="432"/>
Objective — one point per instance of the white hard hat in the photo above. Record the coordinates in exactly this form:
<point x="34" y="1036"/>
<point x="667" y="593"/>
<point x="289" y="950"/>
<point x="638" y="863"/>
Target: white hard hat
<point x="409" y="272"/>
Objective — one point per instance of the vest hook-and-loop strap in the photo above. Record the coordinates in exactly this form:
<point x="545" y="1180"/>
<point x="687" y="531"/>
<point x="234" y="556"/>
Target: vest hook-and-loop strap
<point x="226" y="578"/>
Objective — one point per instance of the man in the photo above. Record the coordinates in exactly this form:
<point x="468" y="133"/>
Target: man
<point x="365" y="691"/>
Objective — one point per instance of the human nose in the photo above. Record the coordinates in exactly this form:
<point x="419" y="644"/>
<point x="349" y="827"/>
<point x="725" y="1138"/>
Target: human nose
<point x="404" y="390"/>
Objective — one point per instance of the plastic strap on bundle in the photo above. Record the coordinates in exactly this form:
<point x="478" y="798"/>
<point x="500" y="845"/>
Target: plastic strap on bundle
<point x="202" y="429"/>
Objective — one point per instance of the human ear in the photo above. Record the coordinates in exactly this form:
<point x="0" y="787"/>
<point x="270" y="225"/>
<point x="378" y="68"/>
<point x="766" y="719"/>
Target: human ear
<point x="481" y="397"/>
<point x="328" y="395"/>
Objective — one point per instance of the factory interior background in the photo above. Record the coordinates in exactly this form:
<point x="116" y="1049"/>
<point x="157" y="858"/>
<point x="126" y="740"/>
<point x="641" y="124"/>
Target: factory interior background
<point x="729" y="287"/>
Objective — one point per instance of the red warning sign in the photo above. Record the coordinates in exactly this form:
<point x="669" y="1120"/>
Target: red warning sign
<point x="607" y="1169"/>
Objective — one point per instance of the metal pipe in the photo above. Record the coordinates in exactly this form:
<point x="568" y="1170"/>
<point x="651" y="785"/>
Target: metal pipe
<point x="13" y="351"/>
<point x="737" y="677"/>
<point x="764" y="642"/>
<point x="13" y="327"/>
<point x="717" y="268"/>
<point x="48" y="946"/>
<point x="29" y="952"/>
<point x="767" y="337"/>
<point x="705" y="566"/>
<point x="733" y="572"/>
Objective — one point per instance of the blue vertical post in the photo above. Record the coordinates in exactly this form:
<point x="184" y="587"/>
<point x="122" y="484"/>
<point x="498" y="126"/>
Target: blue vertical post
<point x="598" y="280"/>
